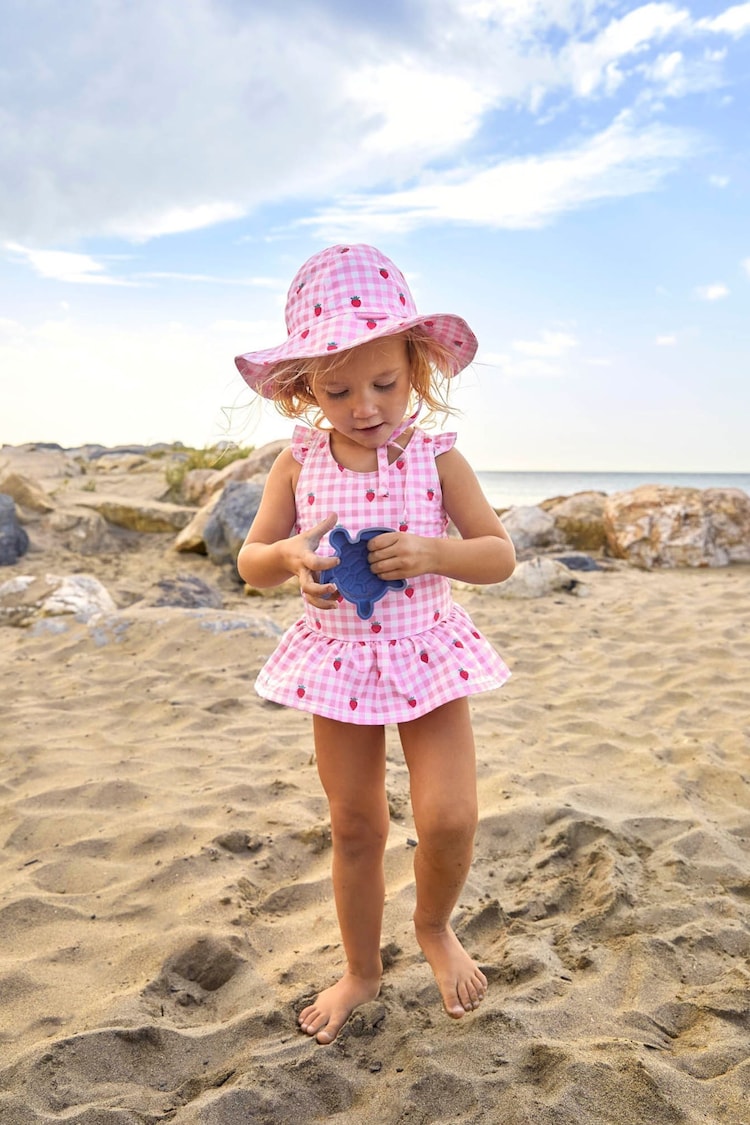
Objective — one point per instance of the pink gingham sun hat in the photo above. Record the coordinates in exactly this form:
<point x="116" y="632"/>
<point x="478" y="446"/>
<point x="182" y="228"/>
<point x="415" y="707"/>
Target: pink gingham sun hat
<point x="344" y="296"/>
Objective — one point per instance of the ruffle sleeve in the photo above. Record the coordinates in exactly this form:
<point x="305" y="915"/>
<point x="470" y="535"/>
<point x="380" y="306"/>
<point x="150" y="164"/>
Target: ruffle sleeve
<point x="443" y="442"/>
<point x="302" y="439"/>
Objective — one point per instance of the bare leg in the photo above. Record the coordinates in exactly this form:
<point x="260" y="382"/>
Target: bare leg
<point x="351" y="764"/>
<point x="439" y="751"/>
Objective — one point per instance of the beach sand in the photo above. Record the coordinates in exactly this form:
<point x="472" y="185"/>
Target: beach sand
<point x="165" y="900"/>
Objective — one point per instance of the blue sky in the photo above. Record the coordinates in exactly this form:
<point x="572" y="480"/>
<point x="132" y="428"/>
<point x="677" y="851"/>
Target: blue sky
<point x="572" y="176"/>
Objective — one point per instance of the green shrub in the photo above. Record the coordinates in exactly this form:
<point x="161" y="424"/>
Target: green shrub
<point x="182" y="459"/>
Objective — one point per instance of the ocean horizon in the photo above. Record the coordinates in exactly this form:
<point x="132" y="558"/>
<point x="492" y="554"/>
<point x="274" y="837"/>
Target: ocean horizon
<point x="520" y="489"/>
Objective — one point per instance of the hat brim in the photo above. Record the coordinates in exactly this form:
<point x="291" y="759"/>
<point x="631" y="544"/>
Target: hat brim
<point x="348" y="330"/>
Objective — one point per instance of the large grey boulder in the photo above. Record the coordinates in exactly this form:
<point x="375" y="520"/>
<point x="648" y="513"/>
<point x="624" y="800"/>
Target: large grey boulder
<point x="14" y="542"/>
<point x="531" y="529"/>
<point x="230" y="520"/>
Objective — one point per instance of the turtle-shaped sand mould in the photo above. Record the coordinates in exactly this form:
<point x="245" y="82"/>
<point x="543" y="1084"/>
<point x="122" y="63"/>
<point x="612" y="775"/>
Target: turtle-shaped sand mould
<point x="353" y="577"/>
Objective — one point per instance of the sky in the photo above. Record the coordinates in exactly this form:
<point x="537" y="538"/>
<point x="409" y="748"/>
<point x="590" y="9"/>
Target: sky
<point x="571" y="176"/>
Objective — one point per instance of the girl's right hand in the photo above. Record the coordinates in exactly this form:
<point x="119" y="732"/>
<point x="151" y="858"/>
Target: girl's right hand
<point x="303" y="561"/>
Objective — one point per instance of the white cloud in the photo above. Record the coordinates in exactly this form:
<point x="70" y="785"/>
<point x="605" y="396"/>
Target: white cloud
<point x="746" y="266"/>
<point x="715" y="292"/>
<point x="407" y="106"/>
<point x="524" y="17"/>
<point x="666" y="67"/>
<point x="666" y="341"/>
<point x="719" y="181"/>
<point x="591" y="63"/>
<point x="223" y="109"/>
<point x="550" y="344"/>
<point x="520" y="367"/>
<point x="218" y="109"/>
<point x="734" y="21"/>
<point x="176" y="220"/>
<point x="531" y="358"/>
<point x="213" y="279"/>
<point x="674" y="75"/>
<point x="524" y="192"/>
<point x="62" y="265"/>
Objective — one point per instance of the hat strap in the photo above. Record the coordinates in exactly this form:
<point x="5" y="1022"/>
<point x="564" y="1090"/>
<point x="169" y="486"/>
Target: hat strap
<point x="383" y="465"/>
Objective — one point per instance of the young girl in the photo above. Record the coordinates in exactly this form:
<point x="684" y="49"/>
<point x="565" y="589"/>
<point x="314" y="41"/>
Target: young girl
<point x="361" y="363"/>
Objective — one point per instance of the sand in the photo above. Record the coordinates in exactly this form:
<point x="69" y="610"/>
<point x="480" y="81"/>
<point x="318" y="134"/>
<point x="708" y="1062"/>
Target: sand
<point x="165" y="900"/>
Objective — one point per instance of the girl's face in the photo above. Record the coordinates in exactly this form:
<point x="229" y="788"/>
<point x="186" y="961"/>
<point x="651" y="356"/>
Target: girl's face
<point x="366" y="397"/>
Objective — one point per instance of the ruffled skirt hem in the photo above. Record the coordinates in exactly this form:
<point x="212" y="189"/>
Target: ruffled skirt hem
<point x="374" y="682"/>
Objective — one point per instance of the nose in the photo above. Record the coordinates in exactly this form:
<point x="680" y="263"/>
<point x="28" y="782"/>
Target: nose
<point x="364" y="405"/>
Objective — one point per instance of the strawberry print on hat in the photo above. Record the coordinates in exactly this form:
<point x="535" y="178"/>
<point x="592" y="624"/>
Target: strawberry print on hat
<point x="351" y="294"/>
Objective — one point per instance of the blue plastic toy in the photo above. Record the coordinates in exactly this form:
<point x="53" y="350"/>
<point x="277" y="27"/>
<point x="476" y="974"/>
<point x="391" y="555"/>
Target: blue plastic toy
<point x="352" y="577"/>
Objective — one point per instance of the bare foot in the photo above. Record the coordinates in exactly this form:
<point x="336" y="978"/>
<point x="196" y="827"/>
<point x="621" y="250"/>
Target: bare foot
<point x="462" y="983"/>
<point x="325" y="1017"/>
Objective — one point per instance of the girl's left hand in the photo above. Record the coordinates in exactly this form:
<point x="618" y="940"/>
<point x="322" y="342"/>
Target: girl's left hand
<point x="399" y="554"/>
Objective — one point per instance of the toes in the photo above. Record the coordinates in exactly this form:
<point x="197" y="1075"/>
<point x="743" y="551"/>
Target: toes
<point x="467" y="996"/>
<point x="324" y="1026"/>
<point x="311" y="1021"/>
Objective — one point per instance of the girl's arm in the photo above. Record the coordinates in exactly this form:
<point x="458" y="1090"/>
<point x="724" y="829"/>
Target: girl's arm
<point x="484" y="553"/>
<point x="271" y="554"/>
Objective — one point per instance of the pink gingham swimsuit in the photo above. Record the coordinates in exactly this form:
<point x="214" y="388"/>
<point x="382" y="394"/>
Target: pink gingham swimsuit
<point x="419" y="649"/>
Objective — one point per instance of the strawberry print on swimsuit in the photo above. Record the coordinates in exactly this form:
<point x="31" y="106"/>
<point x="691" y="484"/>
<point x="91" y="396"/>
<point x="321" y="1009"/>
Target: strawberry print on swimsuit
<point x="419" y="649"/>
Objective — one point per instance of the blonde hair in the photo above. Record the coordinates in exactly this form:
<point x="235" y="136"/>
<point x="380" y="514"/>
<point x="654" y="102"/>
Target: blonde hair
<point x="291" y="384"/>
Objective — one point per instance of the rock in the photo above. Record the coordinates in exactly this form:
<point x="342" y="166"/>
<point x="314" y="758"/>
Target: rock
<point x="230" y="520"/>
<point x="139" y="515"/>
<point x="578" y="562"/>
<point x="239" y="842"/>
<point x="24" y="599"/>
<point x="185" y="591"/>
<point x="196" y="485"/>
<point x="531" y="528"/>
<point x="26" y="492"/>
<point x="579" y="519"/>
<point x="537" y="577"/>
<point x="83" y="531"/>
<point x="657" y="525"/>
<point x="728" y="510"/>
<point x="191" y="538"/>
<point x="40" y="461"/>
<point x="142" y="624"/>
<point x="255" y="464"/>
<point x="200" y="485"/>
<point x="120" y="462"/>
<point x="95" y="452"/>
<point x="14" y="542"/>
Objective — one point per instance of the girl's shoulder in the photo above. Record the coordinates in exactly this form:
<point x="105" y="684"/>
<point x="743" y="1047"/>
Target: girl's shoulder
<point x="305" y="438"/>
<point x="435" y="443"/>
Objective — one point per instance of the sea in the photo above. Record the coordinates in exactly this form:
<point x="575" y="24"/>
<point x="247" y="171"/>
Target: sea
<point x="516" y="489"/>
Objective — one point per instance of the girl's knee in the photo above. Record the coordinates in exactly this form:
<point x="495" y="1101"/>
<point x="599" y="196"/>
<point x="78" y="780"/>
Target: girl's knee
<point x="354" y="833"/>
<point x="448" y="829"/>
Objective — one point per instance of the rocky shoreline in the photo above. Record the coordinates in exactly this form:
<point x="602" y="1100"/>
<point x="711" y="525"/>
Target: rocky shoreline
<point x="75" y="511"/>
